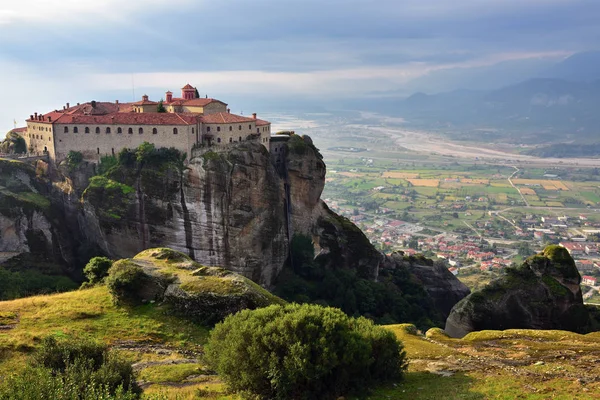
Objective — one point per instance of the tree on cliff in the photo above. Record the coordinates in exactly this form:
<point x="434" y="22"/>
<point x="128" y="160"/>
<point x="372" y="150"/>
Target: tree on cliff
<point x="161" y="108"/>
<point x="196" y="93"/>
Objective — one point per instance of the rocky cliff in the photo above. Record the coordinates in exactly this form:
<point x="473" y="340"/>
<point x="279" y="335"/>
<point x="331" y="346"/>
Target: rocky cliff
<point x="543" y="293"/>
<point x="28" y="221"/>
<point x="229" y="206"/>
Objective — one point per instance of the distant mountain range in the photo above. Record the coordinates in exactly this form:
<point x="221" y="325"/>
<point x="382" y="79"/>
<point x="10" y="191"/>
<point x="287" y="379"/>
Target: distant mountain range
<point x="562" y="105"/>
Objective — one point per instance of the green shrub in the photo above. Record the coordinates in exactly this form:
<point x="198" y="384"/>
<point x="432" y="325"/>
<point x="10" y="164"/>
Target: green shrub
<point x="72" y="369"/>
<point x="74" y="158"/>
<point x="97" y="269"/>
<point x="124" y="280"/>
<point x="302" y="352"/>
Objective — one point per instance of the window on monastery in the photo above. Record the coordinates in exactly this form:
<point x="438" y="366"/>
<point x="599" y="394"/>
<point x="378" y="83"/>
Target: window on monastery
<point x="230" y="128"/>
<point x="130" y="131"/>
<point x="119" y="130"/>
<point x="257" y="130"/>
<point x="87" y="129"/>
<point x="98" y="150"/>
<point x="107" y="129"/>
<point x="240" y="138"/>
<point x="218" y="140"/>
<point x="141" y="130"/>
<point x="97" y="130"/>
<point x="240" y="127"/>
<point x="174" y="131"/>
<point x="66" y="129"/>
<point x="75" y="130"/>
<point x="218" y="129"/>
<point x="250" y="127"/>
<point x="208" y="129"/>
<point x="192" y="130"/>
<point x="154" y="131"/>
<point x="230" y="140"/>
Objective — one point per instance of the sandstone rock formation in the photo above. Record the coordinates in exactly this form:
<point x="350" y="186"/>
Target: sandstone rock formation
<point x="543" y="293"/>
<point x="203" y="294"/>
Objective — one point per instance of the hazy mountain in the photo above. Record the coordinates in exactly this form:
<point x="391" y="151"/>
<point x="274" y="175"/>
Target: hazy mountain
<point x="557" y="109"/>
<point x="580" y="67"/>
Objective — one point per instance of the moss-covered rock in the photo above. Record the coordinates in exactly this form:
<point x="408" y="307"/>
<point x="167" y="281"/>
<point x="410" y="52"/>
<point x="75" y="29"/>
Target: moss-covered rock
<point x="542" y="293"/>
<point x="204" y="294"/>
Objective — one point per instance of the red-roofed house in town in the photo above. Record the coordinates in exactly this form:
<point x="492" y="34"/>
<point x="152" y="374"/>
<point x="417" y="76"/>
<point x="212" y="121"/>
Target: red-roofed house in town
<point x="103" y="128"/>
<point x="589" y="280"/>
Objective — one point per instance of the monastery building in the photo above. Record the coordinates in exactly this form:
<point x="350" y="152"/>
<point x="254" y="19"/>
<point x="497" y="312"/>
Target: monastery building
<point x="102" y="128"/>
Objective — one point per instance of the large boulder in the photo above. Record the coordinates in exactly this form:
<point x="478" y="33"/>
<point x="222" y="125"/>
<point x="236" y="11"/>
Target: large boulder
<point x="543" y="293"/>
<point x="201" y="293"/>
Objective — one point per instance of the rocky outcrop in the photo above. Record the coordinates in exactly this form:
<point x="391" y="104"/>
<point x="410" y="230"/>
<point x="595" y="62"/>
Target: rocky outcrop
<point x="543" y="293"/>
<point x="226" y="208"/>
<point x="200" y="293"/>
<point x="28" y="222"/>
<point x="439" y="283"/>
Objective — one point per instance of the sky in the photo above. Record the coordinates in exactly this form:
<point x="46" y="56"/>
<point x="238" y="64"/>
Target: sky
<point x="54" y="52"/>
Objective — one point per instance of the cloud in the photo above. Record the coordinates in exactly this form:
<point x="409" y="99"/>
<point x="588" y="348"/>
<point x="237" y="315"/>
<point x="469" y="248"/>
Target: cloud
<point x="90" y="48"/>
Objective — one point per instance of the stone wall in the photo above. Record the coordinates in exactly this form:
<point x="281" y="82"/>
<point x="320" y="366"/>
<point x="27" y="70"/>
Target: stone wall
<point x="93" y="145"/>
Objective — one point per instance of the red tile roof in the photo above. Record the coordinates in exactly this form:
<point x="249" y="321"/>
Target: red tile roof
<point x="188" y="86"/>
<point x="19" y="130"/>
<point x="201" y="102"/>
<point x="145" y="103"/>
<point x="224" y="118"/>
<point x="261" y="122"/>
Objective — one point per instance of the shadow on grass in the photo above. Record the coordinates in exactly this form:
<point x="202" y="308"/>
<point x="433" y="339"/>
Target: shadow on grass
<point x="425" y="385"/>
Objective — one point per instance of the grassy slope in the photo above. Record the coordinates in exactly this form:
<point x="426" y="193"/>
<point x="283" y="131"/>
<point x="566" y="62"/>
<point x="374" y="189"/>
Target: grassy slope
<point x="485" y="365"/>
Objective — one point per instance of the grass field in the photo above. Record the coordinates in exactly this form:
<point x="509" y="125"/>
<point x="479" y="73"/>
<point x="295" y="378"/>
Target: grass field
<point x="166" y="351"/>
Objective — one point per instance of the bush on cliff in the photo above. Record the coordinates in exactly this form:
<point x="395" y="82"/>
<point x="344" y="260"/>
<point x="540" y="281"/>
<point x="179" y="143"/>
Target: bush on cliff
<point x="302" y="352"/>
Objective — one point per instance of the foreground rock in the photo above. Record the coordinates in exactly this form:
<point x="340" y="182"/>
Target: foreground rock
<point x="204" y="294"/>
<point x="543" y="293"/>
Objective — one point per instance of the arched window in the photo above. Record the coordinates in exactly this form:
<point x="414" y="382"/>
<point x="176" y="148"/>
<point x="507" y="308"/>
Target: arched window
<point x="240" y="138"/>
<point x="218" y="140"/>
<point x="250" y="127"/>
<point x="230" y="140"/>
<point x="119" y="130"/>
<point x="87" y="129"/>
<point x="141" y="130"/>
<point x="130" y="131"/>
<point x="107" y="129"/>
<point x="192" y="130"/>
<point x="230" y="128"/>
<point x="257" y="130"/>
<point x="218" y="129"/>
<point x="208" y="129"/>
<point x="240" y="127"/>
<point x="66" y="129"/>
<point x="97" y="129"/>
<point x="154" y="131"/>
<point x="174" y="131"/>
<point x="75" y="130"/>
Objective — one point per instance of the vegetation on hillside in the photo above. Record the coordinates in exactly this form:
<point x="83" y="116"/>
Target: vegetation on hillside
<point x="72" y="369"/>
<point x="302" y="352"/>
<point x="394" y="298"/>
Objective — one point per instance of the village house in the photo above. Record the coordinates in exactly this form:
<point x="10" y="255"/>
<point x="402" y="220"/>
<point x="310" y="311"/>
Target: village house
<point x="98" y="129"/>
<point x="589" y="280"/>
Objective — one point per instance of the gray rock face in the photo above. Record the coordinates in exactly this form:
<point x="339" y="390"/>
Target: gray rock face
<point x="543" y="293"/>
<point x="443" y="288"/>
<point x="228" y="212"/>
<point x="28" y="222"/>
